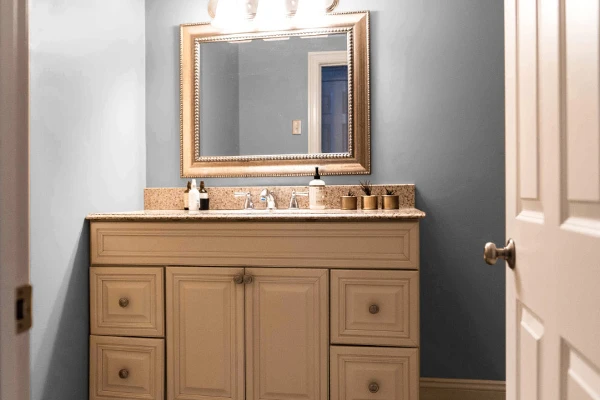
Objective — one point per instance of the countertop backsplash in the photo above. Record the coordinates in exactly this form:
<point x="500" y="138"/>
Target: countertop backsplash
<point x="222" y="198"/>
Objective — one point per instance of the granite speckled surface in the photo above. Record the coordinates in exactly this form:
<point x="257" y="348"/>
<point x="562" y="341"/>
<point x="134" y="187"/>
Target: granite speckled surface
<point x="260" y="215"/>
<point x="222" y="198"/>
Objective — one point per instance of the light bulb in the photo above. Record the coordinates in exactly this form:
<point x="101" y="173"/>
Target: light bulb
<point x="310" y="11"/>
<point x="232" y="13"/>
<point x="272" y="14"/>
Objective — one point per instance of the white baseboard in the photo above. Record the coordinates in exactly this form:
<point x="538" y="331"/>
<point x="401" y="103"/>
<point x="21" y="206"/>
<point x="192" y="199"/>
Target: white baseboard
<point x="461" y="389"/>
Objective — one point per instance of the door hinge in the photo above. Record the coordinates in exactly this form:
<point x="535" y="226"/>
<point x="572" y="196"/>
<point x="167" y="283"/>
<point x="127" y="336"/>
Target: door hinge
<point x="23" y="308"/>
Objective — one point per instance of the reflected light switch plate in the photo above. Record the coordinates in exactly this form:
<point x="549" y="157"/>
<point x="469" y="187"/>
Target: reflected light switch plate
<point x="296" y="127"/>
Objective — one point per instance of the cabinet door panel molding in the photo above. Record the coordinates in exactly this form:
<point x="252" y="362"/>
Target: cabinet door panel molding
<point x="287" y="334"/>
<point x="205" y="337"/>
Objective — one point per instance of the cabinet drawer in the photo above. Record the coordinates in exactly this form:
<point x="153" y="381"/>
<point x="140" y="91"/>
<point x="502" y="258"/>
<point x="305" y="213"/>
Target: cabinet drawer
<point x="126" y="301"/>
<point x="359" y="373"/>
<point x="375" y="307"/>
<point x="347" y="245"/>
<point x="126" y="368"/>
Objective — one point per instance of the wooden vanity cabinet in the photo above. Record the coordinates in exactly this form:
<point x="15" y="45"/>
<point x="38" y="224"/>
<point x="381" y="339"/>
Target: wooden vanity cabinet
<point x="243" y="310"/>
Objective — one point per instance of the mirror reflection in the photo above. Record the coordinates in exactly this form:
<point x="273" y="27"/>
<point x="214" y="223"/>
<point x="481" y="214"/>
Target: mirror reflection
<point x="272" y="97"/>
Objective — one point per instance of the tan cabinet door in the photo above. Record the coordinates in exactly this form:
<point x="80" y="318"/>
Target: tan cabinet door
<point x="205" y="334"/>
<point x="286" y="334"/>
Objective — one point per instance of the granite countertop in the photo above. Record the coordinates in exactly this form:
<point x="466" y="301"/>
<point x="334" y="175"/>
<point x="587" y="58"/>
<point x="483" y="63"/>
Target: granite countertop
<point x="260" y="215"/>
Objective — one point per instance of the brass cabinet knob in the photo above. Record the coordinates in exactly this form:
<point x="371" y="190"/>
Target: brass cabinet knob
<point x="123" y="302"/>
<point x="373" y="387"/>
<point x="238" y="279"/>
<point x="491" y="254"/>
<point x="373" y="308"/>
<point x="123" y="374"/>
<point x="248" y="279"/>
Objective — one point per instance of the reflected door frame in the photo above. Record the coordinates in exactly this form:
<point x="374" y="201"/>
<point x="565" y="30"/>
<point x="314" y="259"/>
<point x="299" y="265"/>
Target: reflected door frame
<point x="316" y="61"/>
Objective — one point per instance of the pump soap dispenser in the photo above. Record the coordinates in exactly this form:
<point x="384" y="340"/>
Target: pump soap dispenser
<point x="316" y="192"/>
<point x="194" y="197"/>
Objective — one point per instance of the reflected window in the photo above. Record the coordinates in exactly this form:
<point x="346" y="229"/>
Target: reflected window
<point x="334" y="109"/>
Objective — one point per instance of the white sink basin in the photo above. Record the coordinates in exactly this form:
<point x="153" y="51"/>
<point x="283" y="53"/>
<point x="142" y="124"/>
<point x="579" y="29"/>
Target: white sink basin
<point x="277" y="211"/>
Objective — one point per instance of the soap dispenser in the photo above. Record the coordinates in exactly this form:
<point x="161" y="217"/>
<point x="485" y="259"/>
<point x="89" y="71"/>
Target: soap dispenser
<point x="204" y="200"/>
<point x="194" y="197"/>
<point x="186" y="196"/>
<point x="316" y="192"/>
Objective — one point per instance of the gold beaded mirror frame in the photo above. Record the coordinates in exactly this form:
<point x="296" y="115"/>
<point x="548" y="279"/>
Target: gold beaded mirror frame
<point x="356" y="161"/>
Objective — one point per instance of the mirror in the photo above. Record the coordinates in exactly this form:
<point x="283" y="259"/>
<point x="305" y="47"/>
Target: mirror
<point x="255" y="96"/>
<point x="276" y="103"/>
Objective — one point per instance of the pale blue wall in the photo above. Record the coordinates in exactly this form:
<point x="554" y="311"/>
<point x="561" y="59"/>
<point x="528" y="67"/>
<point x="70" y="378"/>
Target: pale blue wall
<point x="437" y="121"/>
<point x="87" y="155"/>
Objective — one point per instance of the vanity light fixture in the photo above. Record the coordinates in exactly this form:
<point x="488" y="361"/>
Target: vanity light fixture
<point x="310" y="9"/>
<point x="231" y="13"/>
<point x="273" y="14"/>
<point x="268" y="14"/>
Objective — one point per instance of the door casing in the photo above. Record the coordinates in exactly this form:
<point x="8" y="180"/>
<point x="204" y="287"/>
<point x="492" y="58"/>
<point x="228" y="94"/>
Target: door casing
<point x="14" y="194"/>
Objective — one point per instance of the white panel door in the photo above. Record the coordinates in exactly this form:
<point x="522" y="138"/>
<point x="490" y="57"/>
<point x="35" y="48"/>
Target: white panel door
<point x="553" y="198"/>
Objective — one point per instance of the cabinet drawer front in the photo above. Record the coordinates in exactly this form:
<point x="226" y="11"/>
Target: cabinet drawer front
<point x="350" y="244"/>
<point x="375" y="308"/>
<point x="126" y="368"/>
<point x="126" y="301"/>
<point x="359" y="373"/>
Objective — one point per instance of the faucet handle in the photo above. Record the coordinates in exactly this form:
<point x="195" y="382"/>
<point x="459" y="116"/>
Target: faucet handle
<point x="248" y="204"/>
<point x="294" y="200"/>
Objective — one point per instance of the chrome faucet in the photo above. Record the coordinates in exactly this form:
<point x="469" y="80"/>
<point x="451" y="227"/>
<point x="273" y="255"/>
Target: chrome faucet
<point x="248" y="204"/>
<point x="294" y="200"/>
<point x="269" y="197"/>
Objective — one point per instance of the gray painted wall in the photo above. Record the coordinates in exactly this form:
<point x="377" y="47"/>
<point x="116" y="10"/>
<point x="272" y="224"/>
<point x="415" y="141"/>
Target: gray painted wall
<point x="437" y="121"/>
<point x="219" y="98"/>
<point x="274" y="92"/>
<point x="87" y="155"/>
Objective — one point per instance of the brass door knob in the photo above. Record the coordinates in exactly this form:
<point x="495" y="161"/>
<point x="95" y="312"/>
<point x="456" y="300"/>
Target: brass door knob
<point x="238" y="279"/>
<point x="248" y="279"/>
<point x="491" y="254"/>
<point x="123" y="374"/>
<point x="123" y="302"/>
<point x="373" y="387"/>
<point x="373" y="308"/>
